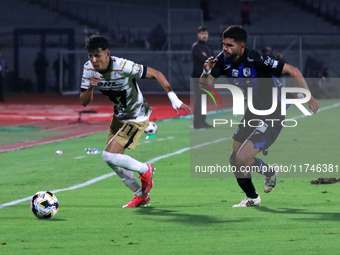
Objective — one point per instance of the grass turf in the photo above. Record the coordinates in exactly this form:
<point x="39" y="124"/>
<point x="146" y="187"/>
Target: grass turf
<point x="24" y="133"/>
<point x="187" y="215"/>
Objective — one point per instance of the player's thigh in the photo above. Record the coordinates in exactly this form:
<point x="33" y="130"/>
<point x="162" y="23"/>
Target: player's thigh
<point x="263" y="137"/>
<point x="246" y="154"/>
<point x="128" y="134"/>
<point x="241" y="135"/>
<point x="236" y="147"/>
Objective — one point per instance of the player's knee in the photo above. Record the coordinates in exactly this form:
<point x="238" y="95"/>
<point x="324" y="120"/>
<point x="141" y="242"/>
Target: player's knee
<point x="118" y="171"/>
<point x="110" y="158"/>
<point x="242" y="160"/>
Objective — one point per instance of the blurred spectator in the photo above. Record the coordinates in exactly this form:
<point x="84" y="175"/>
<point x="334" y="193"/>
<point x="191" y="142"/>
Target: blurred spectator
<point x="204" y="5"/>
<point x="325" y="89"/>
<point x="268" y="51"/>
<point x="200" y="52"/>
<point x="279" y="56"/>
<point x="56" y="68"/>
<point x="245" y="13"/>
<point x="157" y="38"/>
<point x="3" y="71"/>
<point x="40" y="67"/>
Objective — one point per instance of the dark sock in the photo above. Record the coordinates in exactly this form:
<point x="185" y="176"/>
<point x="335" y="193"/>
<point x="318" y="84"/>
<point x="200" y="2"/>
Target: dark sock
<point x="247" y="186"/>
<point x="263" y="168"/>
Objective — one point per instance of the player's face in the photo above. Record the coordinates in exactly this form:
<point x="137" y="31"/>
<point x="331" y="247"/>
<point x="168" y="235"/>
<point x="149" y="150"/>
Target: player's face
<point x="232" y="50"/>
<point x="203" y="36"/>
<point x="100" y="59"/>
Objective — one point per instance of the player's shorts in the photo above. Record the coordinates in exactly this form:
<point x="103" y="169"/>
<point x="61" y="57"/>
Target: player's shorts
<point x="127" y="134"/>
<point x="262" y="133"/>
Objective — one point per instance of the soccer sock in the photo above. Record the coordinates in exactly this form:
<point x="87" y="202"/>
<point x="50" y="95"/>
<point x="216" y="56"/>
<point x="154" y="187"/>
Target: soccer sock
<point x="125" y="161"/>
<point x="128" y="178"/>
<point x="247" y="186"/>
<point x="263" y="168"/>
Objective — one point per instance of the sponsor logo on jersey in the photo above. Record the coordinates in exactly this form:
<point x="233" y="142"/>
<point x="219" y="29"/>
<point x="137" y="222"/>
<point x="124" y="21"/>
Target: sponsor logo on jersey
<point x="269" y="61"/>
<point x="275" y="64"/>
<point x="107" y="84"/>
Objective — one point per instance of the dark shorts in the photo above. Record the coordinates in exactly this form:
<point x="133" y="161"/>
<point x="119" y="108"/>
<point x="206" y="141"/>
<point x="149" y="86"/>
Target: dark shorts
<point x="261" y="132"/>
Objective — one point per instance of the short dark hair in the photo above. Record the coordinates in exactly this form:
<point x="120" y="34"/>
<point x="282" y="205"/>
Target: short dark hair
<point x="95" y="42"/>
<point x="202" y="29"/>
<point x="238" y="33"/>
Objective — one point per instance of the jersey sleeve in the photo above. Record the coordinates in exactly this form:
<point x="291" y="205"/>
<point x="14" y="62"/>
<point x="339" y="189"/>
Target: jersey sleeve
<point x="267" y="64"/>
<point x="85" y="79"/>
<point x="132" y="69"/>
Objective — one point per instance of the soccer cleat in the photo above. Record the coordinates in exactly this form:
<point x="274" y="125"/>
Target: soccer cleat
<point x="145" y="202"/>
<point x="247" y="202"/>
<point x="138" y="201"/>
<point x="270" y="182"/>
<point x="146" y="179"/>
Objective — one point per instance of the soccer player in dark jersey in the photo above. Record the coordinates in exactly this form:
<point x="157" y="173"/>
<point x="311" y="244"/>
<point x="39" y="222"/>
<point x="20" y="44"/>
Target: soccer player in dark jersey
<point x="244" y="66"/>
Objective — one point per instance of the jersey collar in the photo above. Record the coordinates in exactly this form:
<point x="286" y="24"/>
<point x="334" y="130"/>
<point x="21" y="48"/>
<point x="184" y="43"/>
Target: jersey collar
<point x="108" y="68"/>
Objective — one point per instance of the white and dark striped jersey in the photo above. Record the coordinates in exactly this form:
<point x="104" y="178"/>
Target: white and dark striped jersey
<point x="120" y="86"/>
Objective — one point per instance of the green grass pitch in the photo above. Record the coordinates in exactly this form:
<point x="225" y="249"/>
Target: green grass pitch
<point x="187" y="215"/>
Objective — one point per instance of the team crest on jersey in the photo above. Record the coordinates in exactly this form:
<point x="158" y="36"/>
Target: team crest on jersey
<point x="138" y="69"/>
<point x="234" y="73"/>
<point x="246" y="72"/>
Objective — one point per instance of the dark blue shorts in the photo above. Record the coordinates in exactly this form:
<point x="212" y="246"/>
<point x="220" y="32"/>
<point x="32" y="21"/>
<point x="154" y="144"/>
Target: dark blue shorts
<point x="261" y="132"/>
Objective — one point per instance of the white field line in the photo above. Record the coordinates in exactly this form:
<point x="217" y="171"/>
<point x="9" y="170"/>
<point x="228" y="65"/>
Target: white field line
<point x="151" y="161"/>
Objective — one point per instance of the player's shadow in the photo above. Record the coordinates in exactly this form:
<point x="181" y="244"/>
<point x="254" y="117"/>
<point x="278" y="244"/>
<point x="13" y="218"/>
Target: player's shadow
<point x="184" y="218"/>
<point x="326" y="216"/>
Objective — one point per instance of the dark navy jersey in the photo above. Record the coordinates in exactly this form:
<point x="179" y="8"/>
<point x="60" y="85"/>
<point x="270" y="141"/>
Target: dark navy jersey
<point x="249" y="72"/>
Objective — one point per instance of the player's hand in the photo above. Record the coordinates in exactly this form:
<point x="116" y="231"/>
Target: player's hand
<point x="313" y="104"/>
<point x="94" y="81"/>
<point x="209" y="64"/>
<point x="184" y="107"/>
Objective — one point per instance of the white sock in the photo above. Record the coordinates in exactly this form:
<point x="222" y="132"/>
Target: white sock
<point x="124" y="161"/>
<point x="129" y="179"/>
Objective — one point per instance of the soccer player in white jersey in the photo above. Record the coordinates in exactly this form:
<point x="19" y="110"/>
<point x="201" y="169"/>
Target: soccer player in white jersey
<point x="116" y="79"/>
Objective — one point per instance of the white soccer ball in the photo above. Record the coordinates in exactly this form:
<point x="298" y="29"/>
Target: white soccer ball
<point x="151" y="128"/>
<point x="44" y="204"/>
<point x="58" y="153"/>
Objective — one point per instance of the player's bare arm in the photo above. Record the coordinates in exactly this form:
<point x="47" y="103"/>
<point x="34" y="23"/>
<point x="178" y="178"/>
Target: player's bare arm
<point x="300" y="81"/>
<point x="86" y="97"/>
<point x="159" y="77"/>
<point x="163" y="82"/>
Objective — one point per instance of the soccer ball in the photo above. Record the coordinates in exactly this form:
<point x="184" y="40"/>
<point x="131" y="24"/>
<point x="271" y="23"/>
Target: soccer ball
<point x="151" y="128"/>
<point x="44" y="204"/>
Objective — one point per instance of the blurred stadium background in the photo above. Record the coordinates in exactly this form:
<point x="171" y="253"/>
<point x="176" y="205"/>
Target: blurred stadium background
<point x="306" y="32"/>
